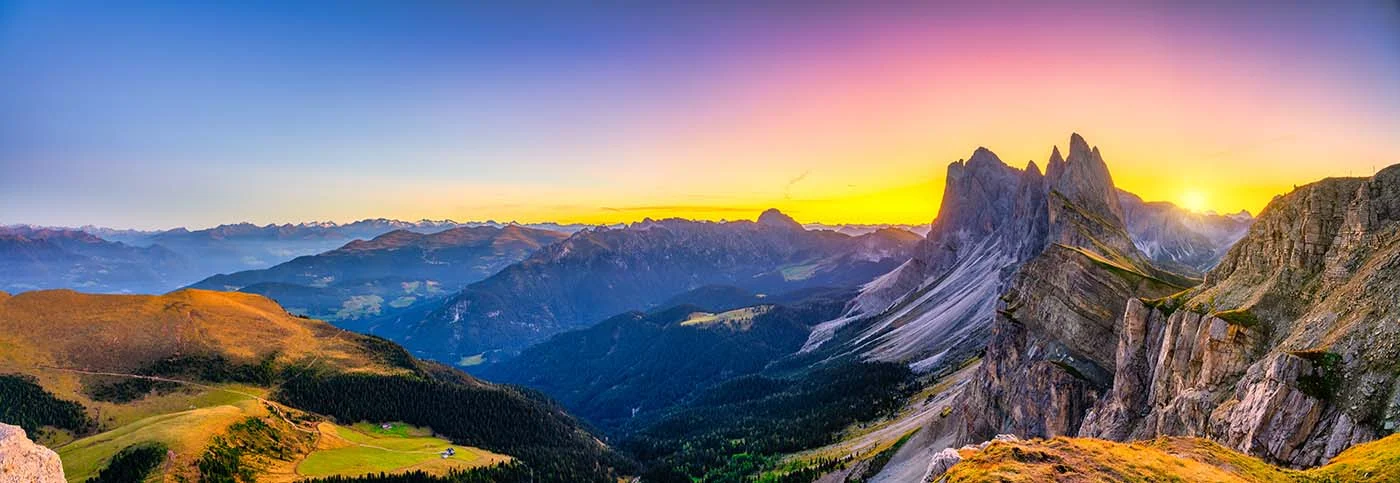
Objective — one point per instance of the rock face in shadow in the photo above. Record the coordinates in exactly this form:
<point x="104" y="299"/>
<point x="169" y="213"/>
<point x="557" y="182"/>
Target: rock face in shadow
<point x="598" y="273"/>
<point x="1289" y="349"/>
<point x="935" y="310"/>
<point x="22" y="461"/>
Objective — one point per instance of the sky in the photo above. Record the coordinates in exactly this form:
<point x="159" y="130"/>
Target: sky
<point x="194" y="114"/>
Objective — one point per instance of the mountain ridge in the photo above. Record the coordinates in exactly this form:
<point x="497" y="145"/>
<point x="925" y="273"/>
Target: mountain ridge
<point x="365" y="280"/>
<point x="239" y="389"/>
<point x="601" y="272"/>
<point x="936" y="309"/>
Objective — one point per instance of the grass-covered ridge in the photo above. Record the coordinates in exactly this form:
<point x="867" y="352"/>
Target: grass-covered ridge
<point x="1083" y="460"/>
<point x="1239" y="317"/>
<point x="197" y="372"/>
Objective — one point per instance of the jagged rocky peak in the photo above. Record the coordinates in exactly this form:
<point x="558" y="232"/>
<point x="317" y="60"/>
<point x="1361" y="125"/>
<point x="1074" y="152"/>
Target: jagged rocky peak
<point x="977" y="195"/>
<point x="1084" y="210"/>
<point x="1083" y="178"/>
<point x="774" y="218"/>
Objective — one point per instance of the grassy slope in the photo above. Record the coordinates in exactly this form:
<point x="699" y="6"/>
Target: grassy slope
<point x="366" y="448"/>
<point x="185" y="432"/>
<point x="1375" y="461"/>
<point x="44" y="330"/>
<point x="126" y="332"/>
<point x="1163" y="459"/>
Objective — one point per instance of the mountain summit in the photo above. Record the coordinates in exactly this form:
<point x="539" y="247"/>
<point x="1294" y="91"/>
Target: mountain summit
<point x="937" y="308"/>
<point x="774" y="218"/>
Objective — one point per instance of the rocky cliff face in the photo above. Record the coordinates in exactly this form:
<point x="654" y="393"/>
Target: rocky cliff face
<point x="1288" y="350"/>
<point x="938" y="308"/>
<point x="22" y="461"/>
<point x="1047" y="360"/>
<point x="935" y="309"/>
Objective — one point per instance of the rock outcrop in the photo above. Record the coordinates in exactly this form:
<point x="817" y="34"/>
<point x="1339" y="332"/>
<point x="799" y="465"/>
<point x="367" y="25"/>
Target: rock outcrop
<point x="945" y="460"/>
<point x="22" y="461"/>
<point x="1288" y="350"/>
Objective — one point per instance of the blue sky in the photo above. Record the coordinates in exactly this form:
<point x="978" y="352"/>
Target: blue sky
<point x="189" y="113"/>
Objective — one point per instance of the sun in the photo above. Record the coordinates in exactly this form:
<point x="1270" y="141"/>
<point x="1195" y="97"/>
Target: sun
<point x="1194" y="201"/>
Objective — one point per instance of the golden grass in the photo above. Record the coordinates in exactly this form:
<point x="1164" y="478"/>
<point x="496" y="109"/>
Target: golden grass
<point x="737" y="319"/>
<point x="187" y="433"/>
<point x="1163" y="459"/>
<point x="1091" y="460"/>
<point x="1376" y="461"/>
<point x="365" y="448"/>
<point x="119" y="333"/>
<point x="44" y="333"/>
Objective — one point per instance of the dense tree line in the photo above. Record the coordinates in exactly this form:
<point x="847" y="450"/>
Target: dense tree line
<point x="122" y="390"/>
<point x="215" y="368"/>
<point x="504" y="473"/>
<point x="549" y="442"/>
<point x="805" y="474"/>
<point x="25" y="404"/>
<point x="207" y="368"/>
<point x="738" y="428"/>
<point x="132" y="463"/>
<point x="630" y="367"/>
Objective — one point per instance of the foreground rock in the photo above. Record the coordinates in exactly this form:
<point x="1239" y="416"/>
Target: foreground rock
<point x="22" y="461"/>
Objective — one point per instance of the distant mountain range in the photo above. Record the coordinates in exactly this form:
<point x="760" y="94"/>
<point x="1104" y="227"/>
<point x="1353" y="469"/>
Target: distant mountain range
<point x="392" y="272"/>
<point x="599" y="273"/>
<point x="107" y="260"/>
<point x="1182" y="240"/>
<point x="856" y="229"/>
<point x="43" y="258"/>
<point x="244" y="246"/>
<point x="193" y="255"/>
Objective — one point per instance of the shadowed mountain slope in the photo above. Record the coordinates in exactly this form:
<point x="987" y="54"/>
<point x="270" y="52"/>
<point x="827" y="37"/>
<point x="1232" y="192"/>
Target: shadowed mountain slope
<point x="390" y="273"/>
<point x="44" y="258"/>
<point x="595" y="274"/>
